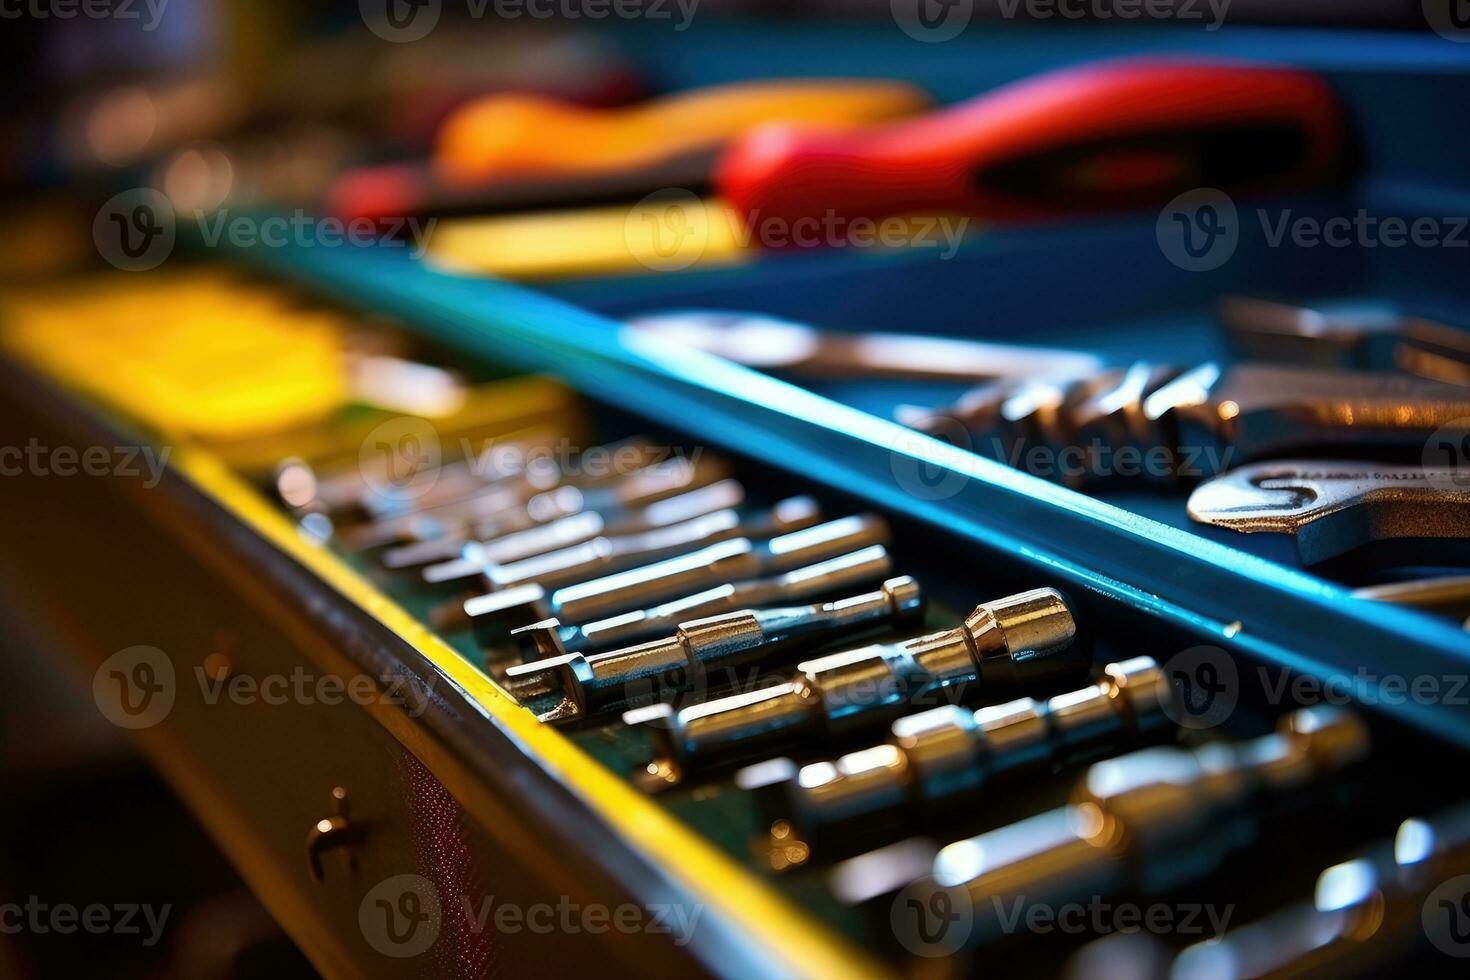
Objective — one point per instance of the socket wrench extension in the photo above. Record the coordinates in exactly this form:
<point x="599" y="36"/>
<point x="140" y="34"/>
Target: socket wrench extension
<point x="610" y="553"/>
<point x="570" y="530"/>
<point x="1001" y="646"/>
<point x="946" y="752"/>
<point x="831" y="577"/>
<point x="495" y="614"/>
<point x="1407" y="514"/>
<point x="572" y="685"/>
<point x="1144" y="822"/>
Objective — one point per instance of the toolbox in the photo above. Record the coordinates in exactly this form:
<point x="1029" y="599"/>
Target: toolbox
<point x="455" y="782"/>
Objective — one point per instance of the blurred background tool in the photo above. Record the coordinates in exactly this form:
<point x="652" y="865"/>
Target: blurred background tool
<point x="1094" y="138"/>
<point x="1102" y="137"/>
<point x="1334" y="508"/>
<point x="575" y="685"/>
<point x="519" y="153"/>
<point x="1004" y="645"/>
<point x="1374" y="339"/>
<point x="784" y="347"/>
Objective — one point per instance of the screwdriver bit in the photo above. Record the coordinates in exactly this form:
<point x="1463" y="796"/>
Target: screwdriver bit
<point x="1407" y="514"/>
<point x="1132" y="823"/>
<point x="495" y="614"/>
<point x="529" y="471"/>
<point x="1378" y="340"/>
<point x="576" y="685"/>
<point x="1002" y="645"/>
<point x="572" y="529"/>
<point x="830" y="577"/>
<point x="949" y="751"/>
<point x="1204" y="419"/>
<point x="610" y="553"/>
<point x="497" y="510"/>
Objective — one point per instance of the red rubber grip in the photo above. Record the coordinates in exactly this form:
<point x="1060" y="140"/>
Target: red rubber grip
<point x="1099" y="137"/>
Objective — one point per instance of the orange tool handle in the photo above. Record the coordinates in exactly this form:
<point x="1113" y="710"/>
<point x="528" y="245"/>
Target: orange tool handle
<point x="1095" y="138"/>
<point x="519" y="134"/>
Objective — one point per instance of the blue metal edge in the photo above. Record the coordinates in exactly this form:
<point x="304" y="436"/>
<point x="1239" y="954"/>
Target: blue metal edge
<point x="1242" y="603"/>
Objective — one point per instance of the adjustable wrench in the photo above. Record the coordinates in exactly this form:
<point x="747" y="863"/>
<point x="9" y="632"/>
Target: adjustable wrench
<point x="1410" y="514"/>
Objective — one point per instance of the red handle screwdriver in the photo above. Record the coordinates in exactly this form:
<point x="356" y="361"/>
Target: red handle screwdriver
<point x="1100" y="137"/>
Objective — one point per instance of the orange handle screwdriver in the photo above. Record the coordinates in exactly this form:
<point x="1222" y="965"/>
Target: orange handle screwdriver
<point x="524" y="135"/>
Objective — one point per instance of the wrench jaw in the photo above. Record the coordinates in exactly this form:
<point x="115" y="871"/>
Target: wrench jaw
<point x="1345" y="515"/>
<point x="1264" y="498"/>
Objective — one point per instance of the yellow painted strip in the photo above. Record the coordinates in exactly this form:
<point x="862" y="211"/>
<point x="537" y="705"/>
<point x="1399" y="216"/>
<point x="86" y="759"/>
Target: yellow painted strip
<point x="739" y="897"/>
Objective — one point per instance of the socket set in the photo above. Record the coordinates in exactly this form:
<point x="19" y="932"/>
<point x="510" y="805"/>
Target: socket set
<point x="924" y="763"/>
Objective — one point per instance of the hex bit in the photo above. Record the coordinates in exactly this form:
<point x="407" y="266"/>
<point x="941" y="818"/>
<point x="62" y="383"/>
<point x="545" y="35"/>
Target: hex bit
<point x="495" y="614"/>
<point x="573" y="685"/>
<point x="610" y="553"/>
<point x="572" y="529"/>
<point x="950" y="751"/>
<point x="829" y="577"/>
<point x="1002" y="644"/>
<point x="1131" y="823"/>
